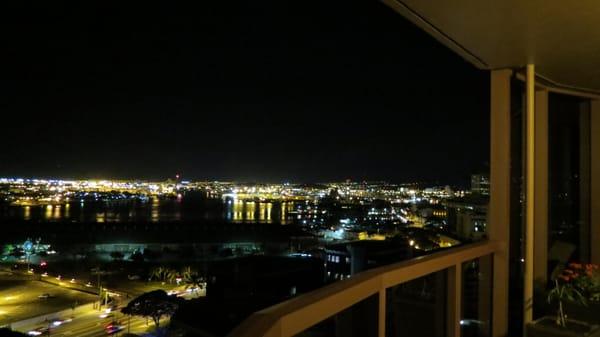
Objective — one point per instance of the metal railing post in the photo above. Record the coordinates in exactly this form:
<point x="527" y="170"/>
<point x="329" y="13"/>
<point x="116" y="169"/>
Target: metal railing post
<point x="454" y="299"/>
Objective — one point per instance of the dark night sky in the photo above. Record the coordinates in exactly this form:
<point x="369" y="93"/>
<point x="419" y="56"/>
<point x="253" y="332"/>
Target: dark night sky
<point x="257" y="90"/>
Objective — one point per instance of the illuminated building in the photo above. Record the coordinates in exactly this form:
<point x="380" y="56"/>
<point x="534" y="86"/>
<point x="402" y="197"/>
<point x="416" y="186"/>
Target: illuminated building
<point x="346" y="259"/>
<point x="467" y="217"/>
<point x="480" y="184"/>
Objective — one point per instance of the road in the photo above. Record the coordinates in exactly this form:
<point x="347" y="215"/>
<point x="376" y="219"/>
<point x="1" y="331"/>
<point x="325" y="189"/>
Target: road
<point x="19" y="299"/>
<point x="89" y="324"/>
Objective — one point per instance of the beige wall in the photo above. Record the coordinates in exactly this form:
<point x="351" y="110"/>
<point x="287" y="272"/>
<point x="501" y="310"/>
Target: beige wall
<point x="595" y="181"/>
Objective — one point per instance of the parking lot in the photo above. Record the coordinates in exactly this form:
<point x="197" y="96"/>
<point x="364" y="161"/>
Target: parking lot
<point x="20" y="299"/>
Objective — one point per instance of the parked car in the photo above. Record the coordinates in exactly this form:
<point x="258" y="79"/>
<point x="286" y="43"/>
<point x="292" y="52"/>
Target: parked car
<point x="45" y="296"/>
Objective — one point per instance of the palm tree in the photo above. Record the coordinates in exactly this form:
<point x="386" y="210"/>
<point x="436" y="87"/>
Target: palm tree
<point x="186" y="272"/>
<point x="171" y="275"/>
<point x="158" y="273"/>
<point x="194" y="281"/>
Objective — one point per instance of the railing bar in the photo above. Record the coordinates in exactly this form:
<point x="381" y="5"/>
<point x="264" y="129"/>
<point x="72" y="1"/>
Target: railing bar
<point x="300" y="313"/>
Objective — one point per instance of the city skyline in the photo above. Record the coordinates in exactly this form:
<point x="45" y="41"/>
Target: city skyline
<point x="182" y="179"/>
<point x="272" y="93"/>
<point x="311" y="169"/>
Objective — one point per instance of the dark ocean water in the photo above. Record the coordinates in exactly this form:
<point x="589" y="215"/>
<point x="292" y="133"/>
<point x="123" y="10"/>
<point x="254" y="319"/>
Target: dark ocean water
<point x="152" y="210"/>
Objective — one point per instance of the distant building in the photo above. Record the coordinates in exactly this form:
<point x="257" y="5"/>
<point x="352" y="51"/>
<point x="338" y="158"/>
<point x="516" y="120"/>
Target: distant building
<point x="343" y="260"/>
<point x="433" y="212"/>
<point x="467" y="217"/>
<point x="480" y="184"/>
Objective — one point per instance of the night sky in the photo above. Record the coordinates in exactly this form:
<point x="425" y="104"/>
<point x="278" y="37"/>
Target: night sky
<point x="303" y="91"/>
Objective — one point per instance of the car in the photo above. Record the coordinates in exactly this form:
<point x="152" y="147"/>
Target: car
<point x="114" y="327"/>
<point x="108" y="313"/>
<point x="173" y="292"/>
<point x="45" y="296"/>
<point x="59" y="322"/>
<point x="133" y="277"/>
<point x="39" y="331"/>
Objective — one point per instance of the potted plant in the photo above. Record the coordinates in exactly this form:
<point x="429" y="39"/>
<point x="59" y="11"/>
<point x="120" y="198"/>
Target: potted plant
<point x="587" y="280"/>
<point x="573" y="287"/>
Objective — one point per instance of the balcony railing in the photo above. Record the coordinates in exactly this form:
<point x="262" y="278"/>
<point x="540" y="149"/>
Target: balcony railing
<point x="302" y="313"/>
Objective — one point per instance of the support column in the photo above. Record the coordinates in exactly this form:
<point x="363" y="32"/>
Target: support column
<point x="541" y="202"/>
<point x="529" y="195"/>
<point x="584" y="182"/>
<point x="499" y="211"/>
<point x="595" y="180"/>
<point x="453" y="301"/>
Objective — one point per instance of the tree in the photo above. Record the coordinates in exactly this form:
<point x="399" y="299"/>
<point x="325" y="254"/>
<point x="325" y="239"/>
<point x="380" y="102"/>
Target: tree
<point x="171" y="275"/>
<point x="192" y="279"/>
<point x="7" y="250"/>
<point x="186" y="272"/>
<point x="155" y="305"/>
<point x="164" y="274"/>
<point x="158" y="273"/>
<point x="17" y="252"/>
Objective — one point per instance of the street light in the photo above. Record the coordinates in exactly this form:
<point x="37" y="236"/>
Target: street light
<point x="28" y="249"/>
<point x="98" y="272"/>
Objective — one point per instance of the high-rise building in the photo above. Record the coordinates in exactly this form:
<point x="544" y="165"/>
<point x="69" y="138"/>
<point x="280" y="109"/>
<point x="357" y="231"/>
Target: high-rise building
<point x="480" y="184"/>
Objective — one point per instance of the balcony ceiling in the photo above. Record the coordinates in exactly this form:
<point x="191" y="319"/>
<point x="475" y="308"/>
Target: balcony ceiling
<point x="562" y="38"/>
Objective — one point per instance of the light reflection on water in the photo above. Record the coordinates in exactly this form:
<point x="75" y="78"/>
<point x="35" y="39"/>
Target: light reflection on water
<point x="154" y="210"/>
<point x="252" y="211"/>
<point x="27" y="213"/>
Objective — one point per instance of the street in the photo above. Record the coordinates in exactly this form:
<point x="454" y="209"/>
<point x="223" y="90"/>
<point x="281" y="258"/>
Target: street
<point x="90" y="324"/>
<point x="20" y="299"/>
